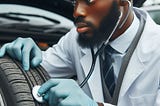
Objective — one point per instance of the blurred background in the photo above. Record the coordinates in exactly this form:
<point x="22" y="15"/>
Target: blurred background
<point x="46" y="21"/>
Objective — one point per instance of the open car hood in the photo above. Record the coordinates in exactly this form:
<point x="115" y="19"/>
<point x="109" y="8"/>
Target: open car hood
<point x="62" y="7"/>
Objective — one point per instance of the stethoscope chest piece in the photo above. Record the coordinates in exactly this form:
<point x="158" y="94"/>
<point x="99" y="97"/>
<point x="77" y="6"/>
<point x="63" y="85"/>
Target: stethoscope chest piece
<point x="35" y="94"/>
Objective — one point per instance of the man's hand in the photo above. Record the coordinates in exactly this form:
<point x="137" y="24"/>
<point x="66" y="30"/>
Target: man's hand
<point x="25" y="50"/>
<point x="65" y="92"/>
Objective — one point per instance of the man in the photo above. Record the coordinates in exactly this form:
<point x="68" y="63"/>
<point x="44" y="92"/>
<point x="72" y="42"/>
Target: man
<point x="96" y="21"/>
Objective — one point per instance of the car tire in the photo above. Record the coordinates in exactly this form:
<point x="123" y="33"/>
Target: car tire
<point x="16" y="84"/>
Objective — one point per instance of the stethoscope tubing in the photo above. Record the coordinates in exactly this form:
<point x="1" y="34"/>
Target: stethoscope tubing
<point x="104" y="44"/>
<point x="99" y="51"/>
<point x="94" y="58"/>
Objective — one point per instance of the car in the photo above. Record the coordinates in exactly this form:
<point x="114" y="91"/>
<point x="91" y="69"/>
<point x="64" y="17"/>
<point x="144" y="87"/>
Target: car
<point x="151" y="2"/>
<point x="56" y="6"/>
<point x="25" y="21"/>
<point x="46" y="27"/>
<point x="154" y="12"/>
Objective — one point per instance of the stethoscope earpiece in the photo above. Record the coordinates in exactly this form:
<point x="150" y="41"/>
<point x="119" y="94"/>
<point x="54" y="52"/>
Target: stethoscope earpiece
<point x="128" y="12"/>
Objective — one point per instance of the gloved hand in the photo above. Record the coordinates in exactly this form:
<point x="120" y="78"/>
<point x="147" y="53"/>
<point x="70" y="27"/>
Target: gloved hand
<point x="65" y="92"/>
<point x="25" y="50"/>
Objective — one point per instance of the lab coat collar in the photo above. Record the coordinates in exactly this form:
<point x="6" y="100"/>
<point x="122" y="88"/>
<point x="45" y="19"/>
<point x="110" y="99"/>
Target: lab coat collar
<point x="122" y="43"/>
<point x="131" y="74"/>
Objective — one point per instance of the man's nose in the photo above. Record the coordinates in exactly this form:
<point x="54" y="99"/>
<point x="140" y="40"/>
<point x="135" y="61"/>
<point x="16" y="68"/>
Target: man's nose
<point x="79" y="10"/>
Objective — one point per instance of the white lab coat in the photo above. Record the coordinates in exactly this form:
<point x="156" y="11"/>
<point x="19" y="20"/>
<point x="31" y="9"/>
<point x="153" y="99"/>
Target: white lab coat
<point x="141" y="84"/>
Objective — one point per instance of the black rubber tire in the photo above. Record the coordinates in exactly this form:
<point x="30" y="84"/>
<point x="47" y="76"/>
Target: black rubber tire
<point x="16" y="84"/>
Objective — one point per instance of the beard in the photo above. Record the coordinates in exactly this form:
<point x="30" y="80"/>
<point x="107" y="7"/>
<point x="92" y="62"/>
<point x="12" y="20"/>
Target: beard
<point x="101" y="33"/>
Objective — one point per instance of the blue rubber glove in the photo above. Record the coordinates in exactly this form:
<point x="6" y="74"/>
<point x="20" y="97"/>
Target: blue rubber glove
<point x="65" y="92"/>
<point x="25" y="50"/>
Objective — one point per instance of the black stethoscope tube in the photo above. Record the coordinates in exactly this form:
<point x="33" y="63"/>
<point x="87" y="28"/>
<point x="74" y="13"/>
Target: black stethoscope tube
<point x="94" y="58"/>
<point x="104" y="44"/>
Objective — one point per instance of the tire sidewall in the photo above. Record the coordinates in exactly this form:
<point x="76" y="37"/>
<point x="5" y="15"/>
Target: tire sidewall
<point x="8" y="93"/>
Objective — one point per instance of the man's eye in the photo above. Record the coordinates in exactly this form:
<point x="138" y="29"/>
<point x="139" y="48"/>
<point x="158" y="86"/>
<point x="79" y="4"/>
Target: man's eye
<point x="89" y="1"/>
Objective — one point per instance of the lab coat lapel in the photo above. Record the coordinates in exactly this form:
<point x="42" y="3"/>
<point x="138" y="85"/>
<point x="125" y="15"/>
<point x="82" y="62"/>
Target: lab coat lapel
<point x="86" y="60"/>
<point x="95" y="80"/>
<point x="131" y="73"/>
<point x="130" y="76"/>
<point x="136" y="65"/>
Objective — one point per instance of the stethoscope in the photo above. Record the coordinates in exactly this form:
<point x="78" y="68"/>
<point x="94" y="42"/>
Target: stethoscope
<point x="104" y="44"/>
<point x="95" y="55"/>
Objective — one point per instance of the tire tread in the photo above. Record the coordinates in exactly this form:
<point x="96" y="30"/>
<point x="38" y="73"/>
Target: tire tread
<point x="22" y="82"/>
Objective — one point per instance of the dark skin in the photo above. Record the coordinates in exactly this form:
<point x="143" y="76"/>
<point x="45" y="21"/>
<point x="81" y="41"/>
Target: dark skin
<point x="95" y="11"/>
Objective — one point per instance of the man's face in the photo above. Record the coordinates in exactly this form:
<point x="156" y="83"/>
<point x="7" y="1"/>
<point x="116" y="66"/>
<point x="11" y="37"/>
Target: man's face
<point x="95" y="20"/>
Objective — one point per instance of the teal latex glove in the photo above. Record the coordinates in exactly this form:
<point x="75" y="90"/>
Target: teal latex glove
<point x="25" y="50"/>
<point x="65" y="92"/>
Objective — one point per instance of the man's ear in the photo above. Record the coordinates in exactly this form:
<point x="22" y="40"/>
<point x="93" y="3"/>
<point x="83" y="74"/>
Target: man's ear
<point x="125" y="2"/>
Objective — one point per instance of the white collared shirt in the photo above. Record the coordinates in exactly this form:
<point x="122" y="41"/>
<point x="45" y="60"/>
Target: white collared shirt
<point x="122" y="43"/>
